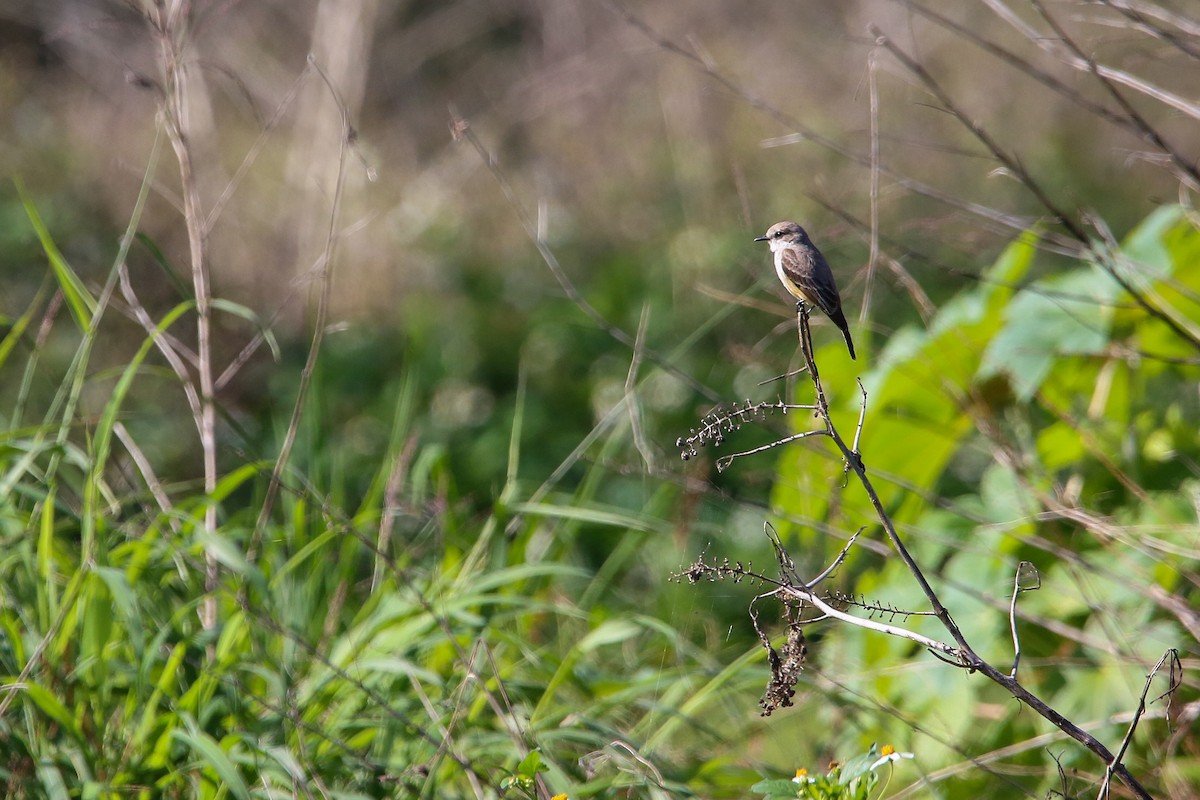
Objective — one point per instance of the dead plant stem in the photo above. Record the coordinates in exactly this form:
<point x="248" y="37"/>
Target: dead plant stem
<point x="966" y="656"/>
<point x="171" y="35"/>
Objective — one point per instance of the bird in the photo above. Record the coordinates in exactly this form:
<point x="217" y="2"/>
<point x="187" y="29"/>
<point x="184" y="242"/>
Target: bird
<point x="805" y="273"/>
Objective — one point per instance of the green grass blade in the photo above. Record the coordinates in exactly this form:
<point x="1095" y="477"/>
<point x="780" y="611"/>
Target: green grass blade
<point x="248" y="314"/>
<point x="19" y="327"/>
<point x="109" y="417"/>
<point x="209" y="753"/>
<point x="79" y="299"/>
<point x="50" y="705"/>
<point x="184" y="288"/>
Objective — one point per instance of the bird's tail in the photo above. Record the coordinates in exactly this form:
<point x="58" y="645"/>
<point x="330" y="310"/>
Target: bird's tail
<point x="849" y="341"/>
<point x="839" y="319"/>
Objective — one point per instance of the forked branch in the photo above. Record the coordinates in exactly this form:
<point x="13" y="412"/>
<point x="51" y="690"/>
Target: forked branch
<point x="798" y="595"/>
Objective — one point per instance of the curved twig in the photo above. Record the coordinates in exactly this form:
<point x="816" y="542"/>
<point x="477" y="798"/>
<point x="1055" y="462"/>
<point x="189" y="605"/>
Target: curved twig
<point x="964" y="656"/>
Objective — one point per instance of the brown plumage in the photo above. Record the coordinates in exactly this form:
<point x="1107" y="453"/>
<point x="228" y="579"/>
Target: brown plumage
<point x="805" y="273"/>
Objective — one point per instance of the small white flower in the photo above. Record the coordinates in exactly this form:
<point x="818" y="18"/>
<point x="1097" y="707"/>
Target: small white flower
<point x="889" y="753"/>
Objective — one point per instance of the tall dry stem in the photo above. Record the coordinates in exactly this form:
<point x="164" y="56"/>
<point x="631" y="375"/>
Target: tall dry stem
<point x="170" y="26"/>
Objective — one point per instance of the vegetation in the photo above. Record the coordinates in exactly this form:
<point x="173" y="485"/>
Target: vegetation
<point x="405" y="520"/>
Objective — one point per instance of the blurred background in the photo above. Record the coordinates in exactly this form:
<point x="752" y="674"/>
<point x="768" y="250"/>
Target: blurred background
<point x="649" y="144"/>
<point x="643" y="145"/>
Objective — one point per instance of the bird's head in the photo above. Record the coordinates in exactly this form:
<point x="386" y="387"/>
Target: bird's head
<point x="782" y="234"/>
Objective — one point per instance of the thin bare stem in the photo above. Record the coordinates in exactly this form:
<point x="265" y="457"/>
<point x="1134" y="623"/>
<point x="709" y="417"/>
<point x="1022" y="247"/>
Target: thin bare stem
<point x="1010" y="163"/>
<point x="1186" y="169"/>
<point x="1021" y="64"/>
<point x="631" y="404"/>
<point x="803" y="133"/>
<point x="148" y="475"/>
<point x="811" y="597"/>
<point x="1106" y="260"/>
<point x="864" y="311"/>
<point x="320" y="321"/>
<point x="852" y="458"/>
<point x="1170" y="657"/>
<point x="1022" y="567"/>
<point x="837" y="562"/>
<point x="256" y="148"/>
<point x="172" y="34"/>
<point x="963" y="655"/>
<point x="862" y="414"/>
<point x="1143" y="10"/>
<point x="724" y="461"/>
<point x="1119" y="76"/>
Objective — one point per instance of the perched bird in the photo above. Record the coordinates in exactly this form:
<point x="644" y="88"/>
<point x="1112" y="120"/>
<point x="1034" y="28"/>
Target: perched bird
<point x="805" y="273"/>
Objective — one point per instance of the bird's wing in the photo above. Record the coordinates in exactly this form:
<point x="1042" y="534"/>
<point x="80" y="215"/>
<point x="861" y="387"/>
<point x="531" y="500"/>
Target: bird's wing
<point x="811" y="273"/>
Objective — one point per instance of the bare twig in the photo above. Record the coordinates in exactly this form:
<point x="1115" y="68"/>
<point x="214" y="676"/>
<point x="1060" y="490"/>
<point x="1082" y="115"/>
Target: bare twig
<point x="724" y="461"/>
<point x="1155" y="10"/>
<point x="1106" y="260"/>
<point x="1136" y="126"/>
<point x="1171" y="657"/>
<point x="837" y="562"/>
<point x="962" y="655"/>
<point x="320" y="321"/>
<point x="391" y="503"/>
<point x="256" y="148"/>
<point x="1118" y="76"/>
<point x="723" y="420"/>
<point x="172" y="34"/>
<point x="147" y="471"/>
<point x="864" y="311"/>
<point x="804" y="133"/>
<point x="1186" y="169"/>
<point x="1022" y="568"/>
<point x="631" y="403"/>
<point x="862" y="416"/>
<point x="852" y="458"/>
<point x="952" y="654"/>
<point x="1015" y="168"/>
<point x="1011" y="164"/>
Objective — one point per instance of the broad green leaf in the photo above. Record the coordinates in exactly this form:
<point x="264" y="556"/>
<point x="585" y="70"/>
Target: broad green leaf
<point x="914" y="421"/>
<point x="776" y="789"/>
<point x="610" y="631"/>
<point x="858" y="765"/>
<point x="1047" y="322"/>
<point x="531" y="764"/>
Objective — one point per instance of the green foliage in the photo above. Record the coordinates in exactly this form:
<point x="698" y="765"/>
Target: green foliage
<point x="378" y="636"/>
<point x="1034" y="422"/>
<point x="462" y="589"/>
<point x="79" y="299"/>
<point x="450" y="601"/>
<point x="857" y="779"/>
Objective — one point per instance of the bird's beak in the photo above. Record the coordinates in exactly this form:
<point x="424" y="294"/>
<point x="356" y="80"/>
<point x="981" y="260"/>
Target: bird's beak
<point x="760" y="238"/>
